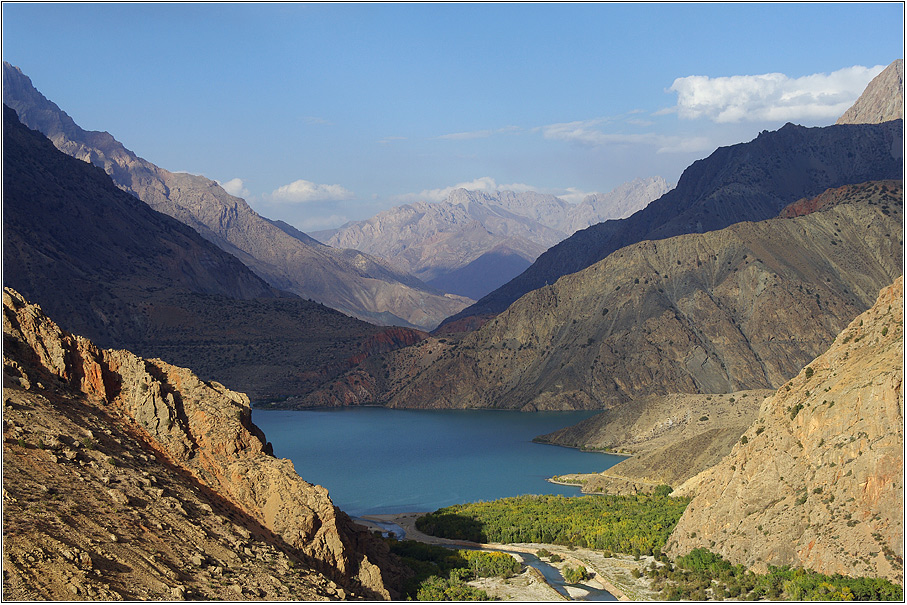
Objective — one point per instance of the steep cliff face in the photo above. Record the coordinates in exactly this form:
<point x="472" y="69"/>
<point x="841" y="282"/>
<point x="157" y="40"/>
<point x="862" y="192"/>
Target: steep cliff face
<point x="883" y="99"/>
<point x="818" y="479"/>
<point x="746" y="182"/>
<point x="741" y="308"/>
<point x="204" y="429"/>
<point x="346" y="280"/>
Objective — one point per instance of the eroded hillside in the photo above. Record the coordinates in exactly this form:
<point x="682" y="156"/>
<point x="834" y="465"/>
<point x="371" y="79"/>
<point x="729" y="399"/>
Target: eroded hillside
<point x="818" y="480"/>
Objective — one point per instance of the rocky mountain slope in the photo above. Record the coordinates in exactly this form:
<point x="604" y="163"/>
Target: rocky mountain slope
<point x="128" y="478"/>
<point x="745" y="307"/>
<point x="347" y="280"/>
<point x="671" y="438"/>
<point x="883" y="99"/>
<point x="108" y="266"/>
<point x="745" y="182"/>
<point x="818" y="480"/>
<point x="434" y="240"/>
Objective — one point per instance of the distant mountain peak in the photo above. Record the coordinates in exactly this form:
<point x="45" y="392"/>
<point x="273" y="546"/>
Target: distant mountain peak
<point x="883" y="99"/>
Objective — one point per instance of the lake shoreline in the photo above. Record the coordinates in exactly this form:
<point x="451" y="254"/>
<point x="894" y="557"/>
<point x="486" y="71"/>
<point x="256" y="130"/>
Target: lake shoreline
<point x="611" y="573"/>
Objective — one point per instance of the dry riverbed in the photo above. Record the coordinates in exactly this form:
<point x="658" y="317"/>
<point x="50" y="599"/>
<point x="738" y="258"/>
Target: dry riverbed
<point x="613" y="574"/>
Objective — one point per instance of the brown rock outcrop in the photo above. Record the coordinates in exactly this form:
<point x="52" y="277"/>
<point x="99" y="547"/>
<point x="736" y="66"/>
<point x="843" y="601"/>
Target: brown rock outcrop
<point x="882" y="192"/>
<point x="818" y="480"/>
<point x="206" y="430"/>
<point x="883" y="99"/>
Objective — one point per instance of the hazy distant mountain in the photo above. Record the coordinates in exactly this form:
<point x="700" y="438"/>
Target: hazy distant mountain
<point x="743" y="307"/>
<point x="438" y="242"/>
<point x="745" y="182"/>
<point x="346" y="280"/>
<point x="111" y="268"/>
<point x="883" y="99"/>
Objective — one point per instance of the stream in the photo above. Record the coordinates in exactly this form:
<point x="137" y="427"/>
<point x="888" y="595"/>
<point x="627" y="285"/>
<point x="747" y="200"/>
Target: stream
<point x="551" y="574"/>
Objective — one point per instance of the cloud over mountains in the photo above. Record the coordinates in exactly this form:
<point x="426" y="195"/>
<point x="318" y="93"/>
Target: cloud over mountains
<point x="772" y="96"/>
<point x="303" y="191"/>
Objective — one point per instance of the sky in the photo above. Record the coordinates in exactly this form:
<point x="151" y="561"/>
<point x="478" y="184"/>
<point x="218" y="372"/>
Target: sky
<point x="318" y="114"/>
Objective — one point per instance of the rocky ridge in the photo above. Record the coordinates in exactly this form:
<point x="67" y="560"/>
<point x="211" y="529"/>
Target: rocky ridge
<point x="745" y="182"/>
<point x="883" y="99"/>
<point x="433" y="240"/>
<point x="745" y="307"/>
<point x="346" y="280"/>
<point x="107" y="266"/>
<point x="163" y="432"/>
<point x="818" y="479"/>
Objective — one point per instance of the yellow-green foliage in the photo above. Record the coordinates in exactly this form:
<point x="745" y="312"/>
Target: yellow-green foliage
<point x="637" y="524"/>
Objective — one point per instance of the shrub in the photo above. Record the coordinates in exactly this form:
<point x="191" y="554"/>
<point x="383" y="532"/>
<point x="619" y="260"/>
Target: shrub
<point x="575" y="574"/>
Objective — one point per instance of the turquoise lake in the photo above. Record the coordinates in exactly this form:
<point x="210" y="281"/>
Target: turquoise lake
<point x="380" y="461"/>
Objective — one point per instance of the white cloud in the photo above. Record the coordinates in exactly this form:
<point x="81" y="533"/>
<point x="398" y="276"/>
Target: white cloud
<point x="489" y="185"/>
<point x="479" y="134"/>
<point x="235" y="187"/>
<point x="485" y="183"/>
<point x="774" y="96"/>
<point x="572" y="195"/>
<point x="302" y="191"/>
<point x="586" y="132"/>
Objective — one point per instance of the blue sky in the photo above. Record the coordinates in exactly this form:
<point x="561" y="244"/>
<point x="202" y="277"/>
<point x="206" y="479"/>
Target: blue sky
<point x="321" y="113"/>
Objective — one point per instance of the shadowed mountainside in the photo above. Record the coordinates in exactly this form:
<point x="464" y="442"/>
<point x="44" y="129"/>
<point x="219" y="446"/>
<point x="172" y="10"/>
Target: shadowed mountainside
<point x="346" y="280"/>
<point x="108" y="266"/>
<point x="746" y="182"/>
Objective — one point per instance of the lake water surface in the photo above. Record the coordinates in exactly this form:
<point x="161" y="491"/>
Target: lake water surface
<point x="381" y="461"/>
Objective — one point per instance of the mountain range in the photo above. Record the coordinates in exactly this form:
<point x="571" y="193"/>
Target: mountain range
<point x="746" y="182"/>
<point x="347" y="280"/>
<point x="475" y="241"/>
<point x="744" y="307"/>
<point x="111" y="268"/>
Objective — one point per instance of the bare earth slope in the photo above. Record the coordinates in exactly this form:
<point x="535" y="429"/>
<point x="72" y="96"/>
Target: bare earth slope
<point x="108" y="266"/>
<point x="346" y="280"/>
<point x="746" y="182"/>
<point x="818" y="480"/>
<point x="671" y="437"/>
<point x="745" y="307"/>
<point x="142" y="436"/>
<point x="883" y="99"/>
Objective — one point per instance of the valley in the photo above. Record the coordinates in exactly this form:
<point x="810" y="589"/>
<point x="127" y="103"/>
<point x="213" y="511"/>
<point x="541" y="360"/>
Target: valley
<point x="583" y="383"/>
